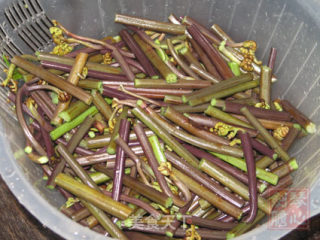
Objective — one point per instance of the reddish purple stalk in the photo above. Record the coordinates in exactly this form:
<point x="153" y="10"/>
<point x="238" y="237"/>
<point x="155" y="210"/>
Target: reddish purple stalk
<point x="105" y="157"/>
<point x="212" y="224"/>
<point x="136" y="66"/>
<point x="26" y="110"/>
<point x="282" y="184"/>
<point x="44" y="129"/>
<point x="114" y="93"/>
<point x="47" y="142"/>
<point x="124" y="53"/>
<point x="82" y="50"/>
<point x="180" y="233"/>
<point x="79" y="150"/>
<point x="221" y="216"/>
<point x="86" y="50"/>
<point x="42" y="104"/>
<point x="302" y="119"/>
<point x="142" y="35"/>
<point x="44" y="95"/>
<point x="124" y="132"/>
<point x="66" y="195"/>
<point x="175" y="224"/>
<point x="263" y="149"/>
<point x="212" y="53"/>
<point x="46" y="169"/>
<point x="203" y="29"/>
<point x="211" y="69"/>
<point x="120" y="44"/>
<point x="227" y="219"/>
<point x="91" y="73"/>
<point x="147" y="149"/>
<point x="101" y="150"/>
<point x="38" y="136"/>
<point x="251" y="171"/>
<point x="106" y="76"/>
<point x="101" y="158"/>
<point x="201" y="120"/>
<point x="45" y="124"/>
<point x="241" y="176"/>
<point x="119" y="56"/>
<point x="290" y="138"/>
<point x="35" y="144"/>
<point x="272" y="58"/>
<point x="203" y="179"/>
<point x="164" y="91"/>
<point x="139" y="203"/>
<point x="232" y="107"/>
<point x="134" y="47"/>
<point x="71" y="147"/>
<point x="116" y="83"/>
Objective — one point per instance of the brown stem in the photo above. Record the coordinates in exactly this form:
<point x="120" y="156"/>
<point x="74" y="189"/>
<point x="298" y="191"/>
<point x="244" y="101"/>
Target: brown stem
<point x="205" y="60"/>
<point x="23" y="123"/>
<point x="202" y="179"/>
<point x="53" y="79"/>
<point x="150" y="24"/>
<point x="116" y="53"/>
<point x="180" y="61"/>
<point x="147" y="149"/>
<point x="213" y="54"/>
<point x="73" y="78"/>
<point x="182" y="121"/>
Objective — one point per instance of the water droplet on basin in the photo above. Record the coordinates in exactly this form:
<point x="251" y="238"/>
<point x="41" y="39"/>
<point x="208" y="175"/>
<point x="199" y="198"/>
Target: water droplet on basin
<point x="316" y="201"/>
<point x="8" y="170"/>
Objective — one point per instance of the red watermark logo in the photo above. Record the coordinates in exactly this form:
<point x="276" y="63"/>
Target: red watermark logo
<point x="292" y="211"/>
